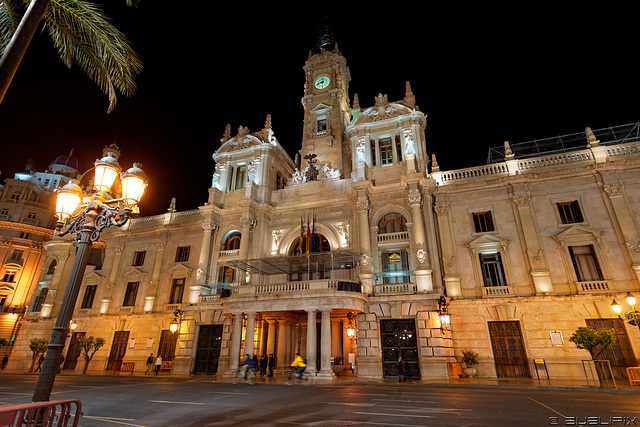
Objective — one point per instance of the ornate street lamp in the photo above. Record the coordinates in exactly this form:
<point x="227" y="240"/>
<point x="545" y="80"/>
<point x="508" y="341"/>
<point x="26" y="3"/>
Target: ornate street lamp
<point x="351" y="330"/>
<point x="87" y="221"/>
<point x="632" y="317"/>
<point x="174" y="326"/>
<point x="443" y="313"/>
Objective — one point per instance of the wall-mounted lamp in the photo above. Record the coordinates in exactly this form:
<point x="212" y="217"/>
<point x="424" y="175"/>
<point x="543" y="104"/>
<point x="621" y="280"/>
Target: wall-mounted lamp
<point x="351" y="330"/>
<point x="445" y="317"/>
<point x="177" y="320"/>
<point x="632" y="317"/>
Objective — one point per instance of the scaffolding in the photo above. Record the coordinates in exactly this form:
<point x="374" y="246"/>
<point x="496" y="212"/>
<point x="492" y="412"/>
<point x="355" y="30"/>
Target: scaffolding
<point x="576" y="141"/>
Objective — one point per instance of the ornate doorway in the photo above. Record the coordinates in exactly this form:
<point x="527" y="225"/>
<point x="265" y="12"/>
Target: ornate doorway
<point x="399" y="340"/>
<point x="208" y="352"/>
<point x="508" y="350"/>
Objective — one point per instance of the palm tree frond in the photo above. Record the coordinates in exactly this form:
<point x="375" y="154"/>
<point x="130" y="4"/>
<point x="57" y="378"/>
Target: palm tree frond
<point x="10" y="14"/>
<point x="85" y="36"/>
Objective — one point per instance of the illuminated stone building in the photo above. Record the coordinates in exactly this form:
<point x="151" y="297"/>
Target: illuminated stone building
<point x="360" y="250"/>
<point x="26" y="223"/>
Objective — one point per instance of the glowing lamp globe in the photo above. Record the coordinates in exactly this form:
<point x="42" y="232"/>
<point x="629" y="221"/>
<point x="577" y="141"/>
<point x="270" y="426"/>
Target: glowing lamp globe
<point x="134" y="182"/>
<point x="106" y="171"/>
<point x="631" y="299"/>
<point x="616" y="307"/>
<point x="67" y="200"/>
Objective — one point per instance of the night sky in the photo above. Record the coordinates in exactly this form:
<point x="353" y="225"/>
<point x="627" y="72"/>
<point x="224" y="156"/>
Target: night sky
<point x="482" y="76"/>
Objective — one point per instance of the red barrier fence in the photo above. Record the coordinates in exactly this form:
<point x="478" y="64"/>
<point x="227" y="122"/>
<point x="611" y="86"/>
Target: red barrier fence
<point x="45" y="414"/>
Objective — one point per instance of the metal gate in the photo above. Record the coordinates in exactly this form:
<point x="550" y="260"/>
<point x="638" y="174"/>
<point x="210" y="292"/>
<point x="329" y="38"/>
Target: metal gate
<point x="118" y="348"/>
<point x="508" y="350"/>
<point x="208" y="352"/>
<point x="399" y="340"/>
<point x="619" y="354"/>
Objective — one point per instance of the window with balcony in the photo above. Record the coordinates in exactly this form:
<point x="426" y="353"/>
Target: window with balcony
<point x="386" y="151"/>
<point x="240" y="178"/>
<point x="130" y="294"/>
<point x="492" y="270"/>
<point x="570" y="212"/>
<point x="89" y="295"/>
<point x="585" y="263"/>
<point x="177" y="290"/>
<point x="226" y="274"/>
<point x="182" y="253"/>
<point x="373" y="152"/>
<point x="395" y="267"/>
<point x="138" y="258"/>
<point x="39" y="300"/>
<point x="321" y="124"/>
<point x="483" y="222"/>
<point x="232" y="241"/>
<point x="392" y="222"/>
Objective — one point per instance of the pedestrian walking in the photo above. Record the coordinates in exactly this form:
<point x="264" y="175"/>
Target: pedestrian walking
<point x="5" y="359"/>
<point x="156" y="368"/>
<point x="149" y="365"/>
<point x="271" y="364"/>
<point x="401" y="377"/>
<point x="263" y="365"/>
<point x="40" y="360"/>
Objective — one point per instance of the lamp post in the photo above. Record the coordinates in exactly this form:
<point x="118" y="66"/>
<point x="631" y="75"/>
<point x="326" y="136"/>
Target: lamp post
<point x="86" y="221"/>
<point x="632" y="317"/>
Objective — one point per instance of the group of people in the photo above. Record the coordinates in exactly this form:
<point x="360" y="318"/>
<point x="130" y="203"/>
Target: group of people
<point x="259" y="364"/>
<point x="153" y="365"/>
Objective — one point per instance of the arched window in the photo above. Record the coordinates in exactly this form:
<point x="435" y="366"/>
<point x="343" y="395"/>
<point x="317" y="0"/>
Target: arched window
<point x="318" y="243"/>
<point x="52" y="267"/>
<point x="232" y="241"/>
<point x="392" y="222"/>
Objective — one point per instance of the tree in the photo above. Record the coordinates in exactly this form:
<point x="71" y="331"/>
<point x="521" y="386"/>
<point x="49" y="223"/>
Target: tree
<point x="37" y="346"/>
<point x="596" y="342"/>
<point x="81" y="33"/>
<point x="88" y="347"/>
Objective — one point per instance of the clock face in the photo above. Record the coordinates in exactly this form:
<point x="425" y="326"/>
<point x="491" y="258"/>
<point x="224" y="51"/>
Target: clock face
<point x="322" y="82"/>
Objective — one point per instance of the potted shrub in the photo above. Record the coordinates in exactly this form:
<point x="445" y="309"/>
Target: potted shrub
<point x="470" y="359"/>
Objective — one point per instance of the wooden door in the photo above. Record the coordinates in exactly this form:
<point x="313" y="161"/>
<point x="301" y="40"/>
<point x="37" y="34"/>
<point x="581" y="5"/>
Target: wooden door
<point x="208" y="351"/>
<point x="508" y="350"/>
<point x="167" y="347"/>
<point x="71" y="360"/>
<point x="118" y="348"/>
<point x="399" y="340"/>
<point x="620" y="355"/>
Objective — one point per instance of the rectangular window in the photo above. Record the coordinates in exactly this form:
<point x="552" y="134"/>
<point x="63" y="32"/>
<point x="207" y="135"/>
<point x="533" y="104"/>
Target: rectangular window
<point x="177" y="290"/>
<point x="138" y="258"/>
<point x="130" y="294"/>
<point x="386" y="153"/>
<point x="182" y="254"/>
<point x="570" y="212"/>
<point x="398" y="148"/>
<point x="585" y="263"/>
<point x="279" y="181"/>
<point x="9" y="276"/>
<point x="483" y="222"/>
<point x="395" y="267"/>
<point x="492" y="271"/>
<point x="373" y="152"/>
<point x="226" y="274"/>
<point x="321" y="125"/>
<point x="39" y="300"/>
<point x="241" y="177"/>
<point x="89" y="294"/>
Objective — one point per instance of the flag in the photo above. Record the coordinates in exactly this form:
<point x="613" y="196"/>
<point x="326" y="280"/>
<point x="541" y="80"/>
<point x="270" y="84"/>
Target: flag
<point x="313" y="234"/>
<point x="308" y="230"/>
<point x="301" y="234"/>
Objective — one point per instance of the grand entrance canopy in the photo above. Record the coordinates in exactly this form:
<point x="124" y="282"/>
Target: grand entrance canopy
<point x="343" y="263"/>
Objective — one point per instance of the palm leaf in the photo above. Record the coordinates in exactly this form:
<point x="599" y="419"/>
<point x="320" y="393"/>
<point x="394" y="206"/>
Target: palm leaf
<point x="84" y="35"/>
<point x="9" y="20"/>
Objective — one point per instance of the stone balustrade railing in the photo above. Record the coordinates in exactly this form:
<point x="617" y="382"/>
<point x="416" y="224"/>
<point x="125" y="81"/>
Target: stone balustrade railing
<point x="302" y="286"/>
<point x="393" y="237"/>
<point x="593" y="286"/>
<point x="497" y="291"/>
<point x="395" y="288"/>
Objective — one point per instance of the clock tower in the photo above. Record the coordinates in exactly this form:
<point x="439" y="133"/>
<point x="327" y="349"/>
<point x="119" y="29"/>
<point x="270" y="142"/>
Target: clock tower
<point x="326" y="113"/>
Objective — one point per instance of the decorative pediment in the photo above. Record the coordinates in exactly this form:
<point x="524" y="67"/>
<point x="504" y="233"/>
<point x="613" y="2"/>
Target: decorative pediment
<point x="180" y="270"/>
<point x="134" y="274"/>
<point x="241" y="141"/>
<point x="321" y="107"/>
<point x="93" y="278"/>
<point x="578" y="234"/>
<point x="488" y="242"/>
<point x="382" y="110"/>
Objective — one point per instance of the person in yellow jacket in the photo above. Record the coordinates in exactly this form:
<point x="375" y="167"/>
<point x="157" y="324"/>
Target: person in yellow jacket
<point x="299" y="365"/>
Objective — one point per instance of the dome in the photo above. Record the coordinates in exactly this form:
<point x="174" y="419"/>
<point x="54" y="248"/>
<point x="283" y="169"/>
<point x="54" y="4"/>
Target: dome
<point x="66" y="161"/>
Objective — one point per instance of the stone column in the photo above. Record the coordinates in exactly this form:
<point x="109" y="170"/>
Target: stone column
<point x="249" y="334"/>
<point x="423" y="272"/>
<point x="281" y="355"/>
<point x="203" y="263"/>
<point x="271" y="337"/>
<point x="325" y="351"/>
<point x="311" y="341"/>
<point x="366" y="264"/>
<point x="236" y="337"/>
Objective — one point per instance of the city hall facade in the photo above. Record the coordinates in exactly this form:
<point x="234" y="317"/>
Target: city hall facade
<point x="360" y="250"/>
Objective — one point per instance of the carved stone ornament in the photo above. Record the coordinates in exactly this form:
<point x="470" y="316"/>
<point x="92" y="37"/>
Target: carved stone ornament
<point x="613" y="190"/>
<point x="365" y="261"/>
<point x="522" y="201"/>
<point x="442" y="210"/>
<point x="421" y="255"/>
<point x="414" y="198"/>
<point x="363" y="205"/>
